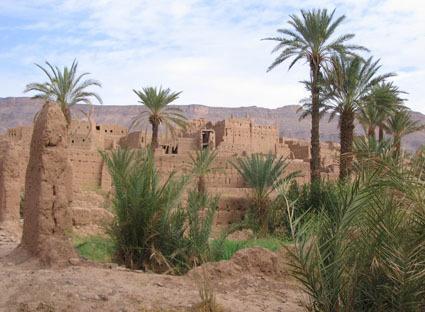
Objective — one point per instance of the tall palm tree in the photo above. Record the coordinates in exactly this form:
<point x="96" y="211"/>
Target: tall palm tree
<point x="312" y="38"/>
<point x="65" y="87"/>
<point x="401" y="124"/>
<point x="348" y="82"/>
<point x="382" y="102"/>
<point x="156" y="101"/>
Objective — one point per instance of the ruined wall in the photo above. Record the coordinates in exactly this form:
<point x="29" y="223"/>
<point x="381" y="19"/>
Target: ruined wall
<point x="48" y="191"/>
<point x="11" y="179"/>
<point x="234" y="137"/>
<point x="138" y="139"/>
<point x="240" y="136"/>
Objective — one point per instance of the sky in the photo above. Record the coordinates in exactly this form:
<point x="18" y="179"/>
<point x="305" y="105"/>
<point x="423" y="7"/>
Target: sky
<point x="210" y="50"/>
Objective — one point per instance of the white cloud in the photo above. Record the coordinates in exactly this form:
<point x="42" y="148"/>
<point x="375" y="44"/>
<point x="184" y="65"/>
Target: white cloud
<point x="210" y="50"/>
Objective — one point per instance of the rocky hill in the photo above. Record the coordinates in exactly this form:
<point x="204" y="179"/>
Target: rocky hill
<point x="21" y="110"/>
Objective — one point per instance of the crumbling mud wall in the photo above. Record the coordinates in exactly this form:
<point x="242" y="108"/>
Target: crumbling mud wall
<point x="48" y="191"/>
<point x="233" y="137"/>
<point x="10" y="187"/>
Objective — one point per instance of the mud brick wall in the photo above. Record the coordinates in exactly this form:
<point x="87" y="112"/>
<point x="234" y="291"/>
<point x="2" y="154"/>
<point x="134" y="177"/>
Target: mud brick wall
<point x="234" y="137"/>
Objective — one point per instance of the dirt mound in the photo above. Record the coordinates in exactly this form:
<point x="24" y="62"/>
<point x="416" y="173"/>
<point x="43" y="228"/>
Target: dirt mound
<point x="254" y="261"/>
<point x="48" y="191"/>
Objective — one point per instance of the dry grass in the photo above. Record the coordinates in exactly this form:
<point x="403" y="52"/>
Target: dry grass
<point x="206" y="293"/>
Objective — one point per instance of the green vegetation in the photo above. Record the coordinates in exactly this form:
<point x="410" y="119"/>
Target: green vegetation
<point x="264" y="175"/>
<point x="95" y="248"/>
<point x="365" y="251"/>
<point x="156" y="101"/>
<point x="312" y="39"/>
<point x="201" y="166"/>
<point x="399" y="124"/>
<point x="225" y="249"/>
<point x="151" y="222"/>
<point x="347" y="82"/>
<point x="359" y="243"/>
<point x="65" y="87"/>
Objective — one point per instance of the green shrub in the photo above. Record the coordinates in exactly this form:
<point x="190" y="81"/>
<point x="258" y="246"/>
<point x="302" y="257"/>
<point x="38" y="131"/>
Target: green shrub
<point x="264" y="174"/>
<point x="364" y="249"/>
<point x="152" y="229"/>
<point x="200" y="226"/>
<point x="312" y="198"/>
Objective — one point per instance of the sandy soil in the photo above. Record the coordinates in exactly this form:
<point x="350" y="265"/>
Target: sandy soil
<point x="248" y="282"/>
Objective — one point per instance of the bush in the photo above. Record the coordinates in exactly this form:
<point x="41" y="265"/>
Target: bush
<point x="152" y="229"/>
<point x="312" y="198"/>
<point x="200" y="215"/>
<point x="264" y="175"/>
<point x="364" y="249"/>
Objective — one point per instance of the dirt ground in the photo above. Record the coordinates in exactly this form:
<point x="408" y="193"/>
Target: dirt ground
<point x="252" y="280"/>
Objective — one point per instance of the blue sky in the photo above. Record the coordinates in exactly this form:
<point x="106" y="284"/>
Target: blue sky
<point x="211" y="50"/>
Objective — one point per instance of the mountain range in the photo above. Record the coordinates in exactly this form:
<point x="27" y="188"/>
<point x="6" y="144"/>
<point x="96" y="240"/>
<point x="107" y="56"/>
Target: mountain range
<point x="20" y="111"/>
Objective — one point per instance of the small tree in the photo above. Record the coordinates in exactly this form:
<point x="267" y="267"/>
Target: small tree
<point x="156" y="101"/>
<point x="378" y="106"/>
<point x="399" y="125"/>
<point x="263" y="174"/>
<point x="201" y="166"/>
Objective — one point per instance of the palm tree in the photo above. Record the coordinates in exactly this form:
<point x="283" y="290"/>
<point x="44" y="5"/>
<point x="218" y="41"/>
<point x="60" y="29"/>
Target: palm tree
<point x="156" y="101"/>
<point x="201" y="166"/>
<point x="368" y="115"/>
<point x="399" y="125"/>
<point x="348" y="82"/>
<point x="383" y="101"/>
<point x="65" y="87"/>
<point x="306" y="104"/>
<point x="263" y="174"/>
<point x="312" y="39"/>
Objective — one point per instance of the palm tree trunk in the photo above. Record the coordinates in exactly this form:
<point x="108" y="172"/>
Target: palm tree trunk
<point x="315" y="123"/>
<point x="397" y="145"/>
<point x="202" y="187"/>
<point x="67" y="113"/>
<point x="371" y="132"/>
<point x="346" y="140"/>
<point x="154" y="142"/>
<point x="381" y="133"/>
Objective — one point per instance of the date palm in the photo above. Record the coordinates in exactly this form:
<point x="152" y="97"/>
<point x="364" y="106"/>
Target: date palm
<point x="263" y="174"/>
<point x="157" y="111"/>
<point x="201" y="166"/>
<point x="348" y="81"/>
<point x="65" y="87"/>
<point x="312" y="38"/>
<point x="382" y="102"/>
<point x="401" y="124"/>
<point x="368" y="116"/>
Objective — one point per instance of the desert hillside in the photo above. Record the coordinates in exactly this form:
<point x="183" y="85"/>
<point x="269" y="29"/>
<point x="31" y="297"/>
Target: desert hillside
<point x="21" y="110"/>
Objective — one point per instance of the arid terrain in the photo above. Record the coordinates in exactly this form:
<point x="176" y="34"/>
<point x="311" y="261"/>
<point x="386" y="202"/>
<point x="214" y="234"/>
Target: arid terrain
<point x="21" y="110"/>
<point x="253" y="280"/>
